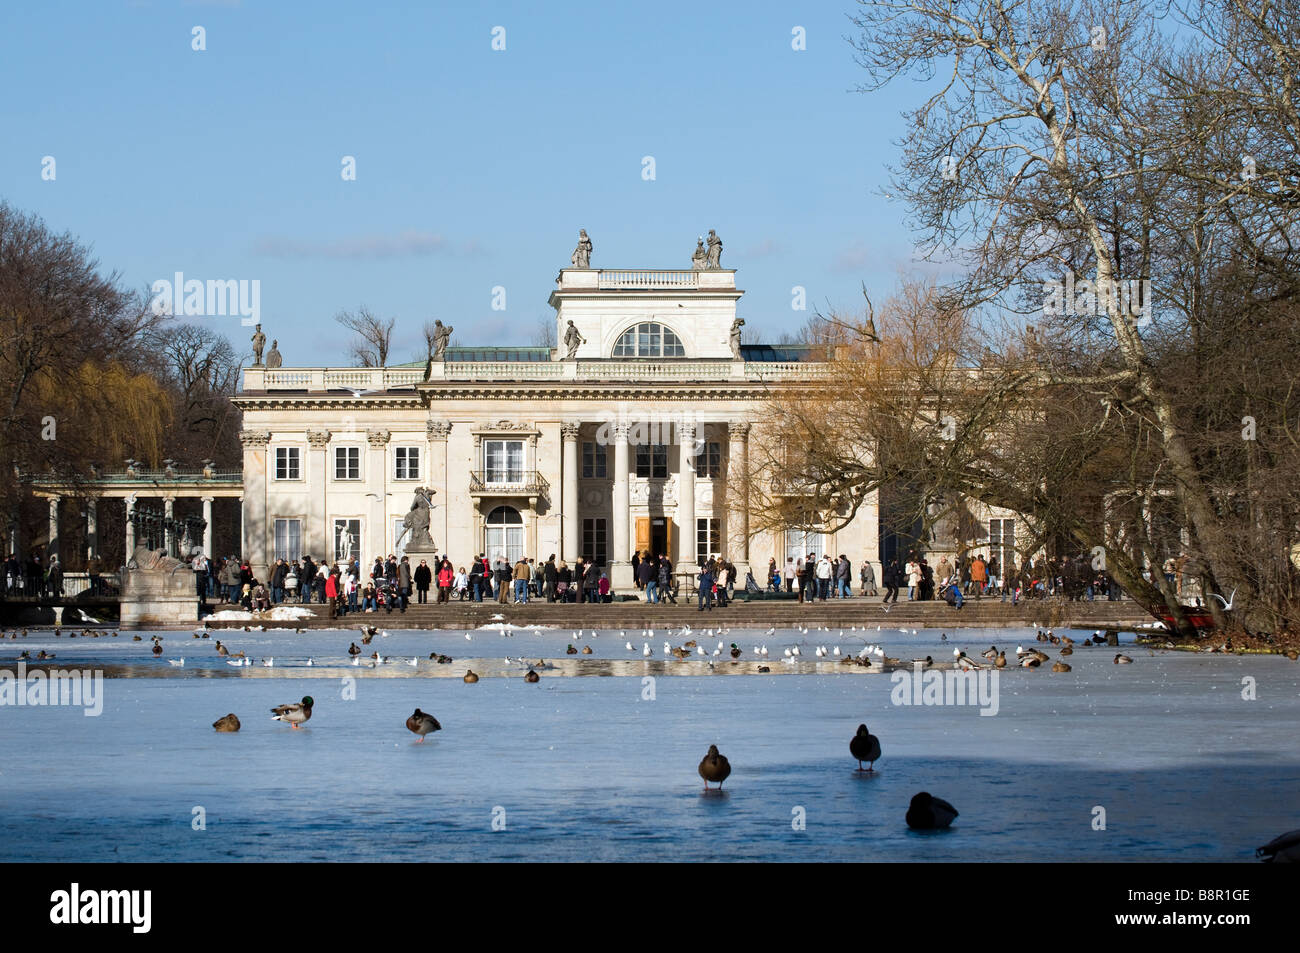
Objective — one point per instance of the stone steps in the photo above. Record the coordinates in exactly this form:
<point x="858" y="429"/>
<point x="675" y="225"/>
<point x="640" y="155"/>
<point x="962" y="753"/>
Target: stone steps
<point x="759" y="613"/>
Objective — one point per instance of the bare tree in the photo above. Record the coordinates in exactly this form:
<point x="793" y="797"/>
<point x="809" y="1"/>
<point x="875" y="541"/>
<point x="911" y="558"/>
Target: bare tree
<point x="544" y="333"/>
<point x="373" y="336"/>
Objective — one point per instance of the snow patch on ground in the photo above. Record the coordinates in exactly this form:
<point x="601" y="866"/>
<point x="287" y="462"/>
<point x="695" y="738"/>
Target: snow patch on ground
<point x="278" y="614"/>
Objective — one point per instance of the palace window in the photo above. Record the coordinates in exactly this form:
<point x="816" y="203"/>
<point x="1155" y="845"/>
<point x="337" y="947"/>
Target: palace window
<point x="347" y="463"/>
<point x="406" y="463"/>
<point x="288" y="463"/>
<point x="709" y="463"/>
<point x="594" y="540"/>
<point x="288" y="540"/>
<point x="503" y="461"/>
<point x="503" y="535"/>
<point x="708" y="539"/>
<point x="649" y="339"/>
<point x="593" y="460"/>
<point x="800" y="542"/>
<point x="652" y="460"/>
<point x="347" y="538"/>
<point x="1002" y="543"/>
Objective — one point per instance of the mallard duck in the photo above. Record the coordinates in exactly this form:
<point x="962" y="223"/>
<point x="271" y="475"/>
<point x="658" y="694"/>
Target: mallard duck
<point x="1001" y="660"/>
<point x="294" y="714"/>
<point x="1283" y="849"/>
<point x="763" y="670"/>
<point x="1030" y="661"/>
<point x="227" y="723"/>
<point x="44" y="655"/>
<point x="927" y="813"/>
<point x="470" y="677"/>
<point x="1060" y="667"/>
<point x="221" y="649"/>
<point x="735" y="650"/>
<point x="134" y="638"/>
<point x="570" y="650"/>
<point x="714" y="767"/>
<point x="1067" y="651"/>
<point x="157" y="649"/>
<point x="991" y="653"/>
<point x="923" y="662"/>
<point x="422" y="723"/>
<point x="865" y="747"/>
<point x="586" y="650"/>
<point x="532" y="677"/>
<point x="354" y="649"/>
<point x="1123" y="660"/>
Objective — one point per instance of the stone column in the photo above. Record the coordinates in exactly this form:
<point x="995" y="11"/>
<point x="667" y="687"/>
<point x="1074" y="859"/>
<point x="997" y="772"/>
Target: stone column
<point x="314" y="534"/>
<point x="92" y="528"/>
<point x="738" y="478"/>
<point x="377" y="463"/>
<point x="169" y="536"/>
<point x="53" y="548"/>
<point x="253" y="530"/>
<point x="207" y="529"/>
<point x="130" y="527"/>
<point x="686" y="498"/>
<point x="438" y="432"/>
<point x="620" y="566"/>
<point x="571" y="528"/>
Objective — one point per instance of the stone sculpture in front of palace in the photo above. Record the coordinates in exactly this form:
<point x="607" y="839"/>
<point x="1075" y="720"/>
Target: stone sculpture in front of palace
<point x="273" y="358"/>
<point x="581" y="257"/>
<point x="155" y="591"/>
<point x="715" y="251"/>
<point x="735" y="338"/>
<point x="415" y="525"/>
<point x="441" y="335"/>
<point x="700" y="259"/>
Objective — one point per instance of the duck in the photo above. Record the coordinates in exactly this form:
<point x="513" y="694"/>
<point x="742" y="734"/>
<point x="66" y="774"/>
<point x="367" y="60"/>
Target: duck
<point x="157" y="649"/>
<point x="1123" y="660"/>
<point x="227" y="723"/>
<point x="134" y="638"/>
<point x="763" y="670"/>
<point x="991" y="653"/>
<point x="865" y="747"/>
<point x="221" y="649"/>
<point x="354" y="649"/>
<point x="470" y="677"/>
<point x="1067" y="651"/>
<point x="714" y="767"/>
<point x="928" y="813"/>
<point x="1030" y="661"/>
<point x="42" y="654"/>
<point x="532" y="677"/>
<point x="295" y="715"/>
<point x="1001" y="660"/>
<point x="422" y="723"/>
<point x="570" y="650"/>
<point x="735" y="650"/>
<point x="586" y="650"/>
<point x="1060" y="667"/>
<point x="1283" y="849"/>
<point x="923" y="662"/>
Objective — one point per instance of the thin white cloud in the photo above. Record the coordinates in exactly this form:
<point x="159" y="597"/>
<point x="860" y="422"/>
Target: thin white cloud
<point x="408" y="243"/>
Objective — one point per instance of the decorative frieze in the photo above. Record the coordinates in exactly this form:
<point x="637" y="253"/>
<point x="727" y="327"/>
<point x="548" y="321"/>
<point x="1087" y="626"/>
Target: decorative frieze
<point x="378" y="439"/>
<point x="437" y="429"/>
<point x="254" y="439"/>
<point x="318" y="439"/>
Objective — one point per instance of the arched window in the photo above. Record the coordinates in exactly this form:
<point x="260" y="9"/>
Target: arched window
<point x="649" y="339"/>
<point x="503" y="534"/>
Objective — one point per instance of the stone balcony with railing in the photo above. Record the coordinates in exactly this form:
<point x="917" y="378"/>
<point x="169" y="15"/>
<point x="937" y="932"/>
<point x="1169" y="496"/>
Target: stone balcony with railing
<point x="509" y="483"/>
<point x="364" y="380"/>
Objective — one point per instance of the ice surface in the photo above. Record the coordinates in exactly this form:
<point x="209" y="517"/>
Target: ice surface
<point x="593" y="768"/>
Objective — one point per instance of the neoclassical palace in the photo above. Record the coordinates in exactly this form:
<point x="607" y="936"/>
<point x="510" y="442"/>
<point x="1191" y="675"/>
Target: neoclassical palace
<point x="618" y="441"/>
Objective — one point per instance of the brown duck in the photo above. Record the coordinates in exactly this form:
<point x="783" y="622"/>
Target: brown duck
<point x="422" y="723"/>
<point x="714" y="767"/>
<point x="228" y="723"/>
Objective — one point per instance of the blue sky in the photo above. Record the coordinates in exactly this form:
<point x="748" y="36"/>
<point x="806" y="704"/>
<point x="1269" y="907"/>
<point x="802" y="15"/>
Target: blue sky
<point x="475" y="168"/>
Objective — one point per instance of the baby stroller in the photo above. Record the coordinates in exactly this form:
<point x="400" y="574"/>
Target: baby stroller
<point x="386" y="594"/>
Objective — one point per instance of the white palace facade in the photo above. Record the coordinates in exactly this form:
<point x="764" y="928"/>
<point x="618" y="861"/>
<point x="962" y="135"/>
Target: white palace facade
<point x="620" y="440"/>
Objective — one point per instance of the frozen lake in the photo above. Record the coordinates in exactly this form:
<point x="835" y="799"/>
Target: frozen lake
<point x="585" y="768"/>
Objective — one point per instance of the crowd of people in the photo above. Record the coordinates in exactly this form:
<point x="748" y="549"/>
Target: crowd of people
<point x="392" y="583"/>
